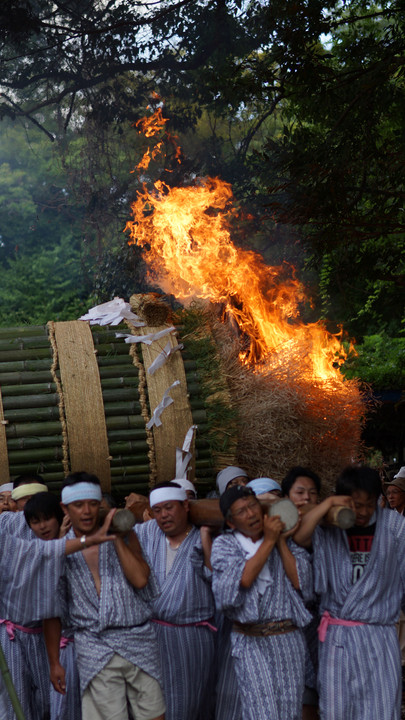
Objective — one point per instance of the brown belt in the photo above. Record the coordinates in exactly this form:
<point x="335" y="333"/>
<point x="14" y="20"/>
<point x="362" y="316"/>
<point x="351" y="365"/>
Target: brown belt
<point x="275" y="627"/>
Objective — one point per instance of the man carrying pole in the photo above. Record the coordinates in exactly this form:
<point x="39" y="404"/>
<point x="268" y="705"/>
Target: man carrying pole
<point x="360" y="576"/>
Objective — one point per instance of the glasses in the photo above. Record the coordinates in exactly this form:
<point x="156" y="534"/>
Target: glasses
<point x="244" y="511"/>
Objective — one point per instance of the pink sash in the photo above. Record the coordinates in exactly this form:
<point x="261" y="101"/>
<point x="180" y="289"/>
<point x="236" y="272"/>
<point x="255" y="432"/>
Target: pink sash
<point x="10" y="627"/>
<point x="327" y="620"/>
<point x="201" y="623"/>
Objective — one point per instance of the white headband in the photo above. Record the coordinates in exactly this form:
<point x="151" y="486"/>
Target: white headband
<point x="28" y="489"/>
<point x="166" y="494"/>
<point x="7" y="487"/>
<point x="81" y="491"/>
<point x="185" y="484"/>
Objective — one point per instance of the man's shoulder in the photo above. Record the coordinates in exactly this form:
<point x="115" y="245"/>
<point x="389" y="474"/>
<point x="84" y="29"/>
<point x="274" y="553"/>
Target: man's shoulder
<point x="391" y="521"/>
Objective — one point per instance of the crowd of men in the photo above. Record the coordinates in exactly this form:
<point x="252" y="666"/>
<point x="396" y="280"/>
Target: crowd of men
<point x="169" y="620"/>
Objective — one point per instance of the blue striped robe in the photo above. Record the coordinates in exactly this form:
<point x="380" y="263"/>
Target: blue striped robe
<point x="16" y="524"/>
<point x="62" y="707"/>
<point x="270" y="670"/>
<point x="115" y="621"/>
<point x="227" y="700"/>
<point x="29" y="575"/>
<point x="360" y="667"/>
<point x="185" y="597"/>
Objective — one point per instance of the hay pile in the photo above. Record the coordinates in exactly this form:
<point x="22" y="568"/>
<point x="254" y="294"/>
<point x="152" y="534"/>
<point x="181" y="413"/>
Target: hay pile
<point x="282" y="418"/>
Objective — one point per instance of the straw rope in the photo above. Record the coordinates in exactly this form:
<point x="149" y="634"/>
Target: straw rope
<point x="4" y="466"/>
<point x="84" y="407"/>
<point x="144" y="408"/>
<point x="61" y="404"/>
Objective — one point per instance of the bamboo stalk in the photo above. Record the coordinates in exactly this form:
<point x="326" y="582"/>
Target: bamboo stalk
<point x="129" y="446"/>
<point x="111" y="360"/>
<point x="29" y="429"/>
<point x="33" y="455"/>
<point x="199" y="416"/>
<point x="123" y="422"/>
<point x="38" y="353"/>
<point x="117" y="394"/>
<point x="116" y="382"/>
<point x="5" y="672"/>
<point x="23" y="330"/>
<point x="124" y="371"/>
<point x="25" y="390"/>
<point x="112" y="349"/>
<point x="122" y="408"/>
<point x="19" y="343"/>
<point x="17" y="402"/>
<point x="40" y="468"/>
<point x="31" y="443"/>
<point x="24" y="378"/>
<point x="132" y="434"/>
<point x="130" y="470"/>
<point x="25" y="365"/>
<point x="196" y="403"/>
<point x="27" y="414"/>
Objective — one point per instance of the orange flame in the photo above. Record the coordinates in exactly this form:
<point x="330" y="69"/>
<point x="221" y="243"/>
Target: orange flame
<point x="185" y="233"/>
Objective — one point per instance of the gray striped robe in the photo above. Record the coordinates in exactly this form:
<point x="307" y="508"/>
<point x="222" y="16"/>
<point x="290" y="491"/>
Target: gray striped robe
<point x="185" y="599"/>
<point x="117" y="621"/>
<point x="270" y="670"/>
<point x="29" y="574"/>
<point x="360" y="667"/>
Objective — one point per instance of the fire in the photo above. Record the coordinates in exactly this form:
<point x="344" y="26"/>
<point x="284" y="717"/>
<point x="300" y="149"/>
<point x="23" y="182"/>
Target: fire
<point x="186" y="236"/>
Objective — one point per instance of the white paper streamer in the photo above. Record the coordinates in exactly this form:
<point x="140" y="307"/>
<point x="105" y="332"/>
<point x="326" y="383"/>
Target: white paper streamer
<point x="163" y="356"/>
<point x="112" y="313"/>
<point x="183" y="455"/>
<point x="164" y="403"/>
<point x="147" y="339"/>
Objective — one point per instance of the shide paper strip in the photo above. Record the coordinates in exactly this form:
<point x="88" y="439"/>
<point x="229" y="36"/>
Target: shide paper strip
<point x="163" y="356"/>
<point x="183" y="455"/>
<point x="164" y="403"/>
<point x="112" y="313"/>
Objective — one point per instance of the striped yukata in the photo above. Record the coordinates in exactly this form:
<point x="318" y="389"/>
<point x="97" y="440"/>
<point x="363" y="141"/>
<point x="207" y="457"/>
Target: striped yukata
<point x="62" y="707"/>
<point x="29" y="575"/>
<point x="228" y="705"/>
<point x="186" y="651"/>
<point x="15" y="524"/>
<point x="270" y="670"/>
<point x="360" y="666"/>
<point x="117" y="621"/>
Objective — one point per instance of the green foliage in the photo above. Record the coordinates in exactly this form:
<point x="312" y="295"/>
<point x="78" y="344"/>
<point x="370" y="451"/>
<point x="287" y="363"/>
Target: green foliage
<point x="45" y="285"/>
<point x="380" y="362"/>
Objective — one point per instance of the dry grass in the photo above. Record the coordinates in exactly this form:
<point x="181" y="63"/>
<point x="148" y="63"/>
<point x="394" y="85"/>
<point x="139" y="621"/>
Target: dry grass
<point x="285" y="419"/>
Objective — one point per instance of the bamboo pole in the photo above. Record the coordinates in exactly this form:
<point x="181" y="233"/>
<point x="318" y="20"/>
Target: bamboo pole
<point x="23" y="402"/>
<point x="5" y="672"/>
<point x="38" y="353"/>
<point x="31" y="443"/>
<point x="122" y="408"/>
<point x="35" y="455"/>
<point x="31" y="414"/>
<point x="29" y="429"/>
<point x="24" y="378"/>
<point x="32" y="389"/>
<point x="26" y="365"/>
<point x="27" y="343"/>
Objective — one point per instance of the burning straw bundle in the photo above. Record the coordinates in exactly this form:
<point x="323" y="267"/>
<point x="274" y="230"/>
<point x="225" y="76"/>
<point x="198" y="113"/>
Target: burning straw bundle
<point x="282" y="417"/>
